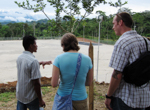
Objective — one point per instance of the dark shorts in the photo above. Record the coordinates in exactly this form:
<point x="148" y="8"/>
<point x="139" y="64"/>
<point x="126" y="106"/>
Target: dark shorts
<point x="80" y="105"/>
<point x="34" y="105"/>
<point x="118" y="104"/>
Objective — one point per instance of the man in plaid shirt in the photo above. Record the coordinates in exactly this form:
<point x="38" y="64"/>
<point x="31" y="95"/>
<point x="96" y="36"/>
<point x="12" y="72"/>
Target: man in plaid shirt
<point x="122" y="95"/>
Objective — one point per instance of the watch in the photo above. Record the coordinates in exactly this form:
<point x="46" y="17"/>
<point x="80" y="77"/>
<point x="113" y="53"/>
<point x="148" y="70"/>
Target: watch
<point x="108" y="97"/>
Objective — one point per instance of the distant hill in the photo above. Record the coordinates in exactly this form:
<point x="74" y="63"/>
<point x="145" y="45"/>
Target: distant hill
<point x="6" y="22"/>
<point x="39" y="21"/>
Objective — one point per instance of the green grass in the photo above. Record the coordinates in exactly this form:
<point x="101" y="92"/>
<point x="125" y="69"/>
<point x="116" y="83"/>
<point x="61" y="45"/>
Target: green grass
<point x="7" y="96"/>
<point x="101" y="97"/>
<point x="3" y="105"/>
<point x="45" y="90"/>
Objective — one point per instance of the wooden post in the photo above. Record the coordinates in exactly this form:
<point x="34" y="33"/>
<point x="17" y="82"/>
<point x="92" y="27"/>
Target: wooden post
<point x="91" y="87"/>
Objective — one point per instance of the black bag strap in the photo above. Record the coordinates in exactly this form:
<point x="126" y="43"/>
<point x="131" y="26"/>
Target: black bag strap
<point x="146" y="44"/>
<point x="147" y="51"/>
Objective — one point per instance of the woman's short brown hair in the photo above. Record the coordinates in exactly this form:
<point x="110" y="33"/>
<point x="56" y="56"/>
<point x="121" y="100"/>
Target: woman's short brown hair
<point x="70" y="42"/>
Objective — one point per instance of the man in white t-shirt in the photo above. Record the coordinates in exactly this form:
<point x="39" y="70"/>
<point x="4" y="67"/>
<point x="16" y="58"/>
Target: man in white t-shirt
<point x="28" y="89"/>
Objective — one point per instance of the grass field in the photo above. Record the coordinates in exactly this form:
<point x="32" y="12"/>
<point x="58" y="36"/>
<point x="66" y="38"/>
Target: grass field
<point x="8" y="99"/>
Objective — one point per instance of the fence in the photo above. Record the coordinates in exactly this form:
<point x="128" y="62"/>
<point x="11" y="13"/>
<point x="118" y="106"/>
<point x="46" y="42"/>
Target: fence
<point x="104" y="41"/>
<point x="20" y="38"/>
<point x="56" y="37"/>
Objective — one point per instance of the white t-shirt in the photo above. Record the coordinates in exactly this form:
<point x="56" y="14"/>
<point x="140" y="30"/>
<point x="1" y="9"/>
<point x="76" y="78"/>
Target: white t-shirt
<point x="28" y="69"/>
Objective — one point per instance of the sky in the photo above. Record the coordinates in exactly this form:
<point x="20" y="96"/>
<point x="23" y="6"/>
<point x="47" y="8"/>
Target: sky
<point x="10" y="11"/>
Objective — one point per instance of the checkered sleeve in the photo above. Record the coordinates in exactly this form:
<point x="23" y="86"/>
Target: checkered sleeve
<point x="119" y="58"/>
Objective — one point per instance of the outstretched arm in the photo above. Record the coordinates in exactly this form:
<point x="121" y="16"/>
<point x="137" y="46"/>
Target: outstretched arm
<point x="43" y="63"/>
<point x="114" y="83"/>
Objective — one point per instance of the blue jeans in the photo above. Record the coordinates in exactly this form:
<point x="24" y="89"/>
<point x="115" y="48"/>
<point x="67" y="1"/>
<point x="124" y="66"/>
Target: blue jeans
<point x="118" y="104"/>
<point x="34" y="105"/>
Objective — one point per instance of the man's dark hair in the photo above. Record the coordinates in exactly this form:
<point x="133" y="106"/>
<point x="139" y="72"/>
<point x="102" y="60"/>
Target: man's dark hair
<point x="27" y="40"/>
<point x="126" y="18"/>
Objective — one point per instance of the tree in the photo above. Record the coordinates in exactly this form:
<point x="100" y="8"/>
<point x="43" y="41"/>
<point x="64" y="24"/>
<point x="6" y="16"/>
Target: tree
<point x="99" y="12"/>
<point x="69" y="7"/>
<point x="147" y="23"/>
<point x="118" y="4"/>
<point x="124" y="9"/>
<point x="52" y="28"/>
<point x="0" y="25"/>
<point x="84" y="24"/>
<point x="11" y="28"/>
<point x="4" y="31"/>
<point x="138" y="19"/>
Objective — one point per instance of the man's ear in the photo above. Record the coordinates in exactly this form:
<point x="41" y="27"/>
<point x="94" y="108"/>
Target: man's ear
<point x="30" y="47"/>
<point x="121" y="22"/>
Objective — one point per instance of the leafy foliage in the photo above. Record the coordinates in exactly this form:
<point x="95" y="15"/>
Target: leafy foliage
<point x="46" y="27"/>
<point x="70" y="8"/>
<point x="119" y="3"/>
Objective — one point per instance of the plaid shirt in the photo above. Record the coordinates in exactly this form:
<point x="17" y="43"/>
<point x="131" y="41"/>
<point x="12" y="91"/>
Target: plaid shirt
<point x="127" y="50"/>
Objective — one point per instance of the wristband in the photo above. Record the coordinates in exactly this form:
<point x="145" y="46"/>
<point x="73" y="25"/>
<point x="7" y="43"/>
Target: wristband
<point x="108" y="97"/>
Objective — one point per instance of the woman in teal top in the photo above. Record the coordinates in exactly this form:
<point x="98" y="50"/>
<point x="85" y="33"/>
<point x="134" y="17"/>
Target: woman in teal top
<point x="64" y="67"/>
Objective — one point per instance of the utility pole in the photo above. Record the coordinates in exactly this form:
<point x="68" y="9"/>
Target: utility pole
<point x="83" y="32"/>
<point x="99" y="19"/>
<point x="23" y="30"/>
<point x="34" y="28"/>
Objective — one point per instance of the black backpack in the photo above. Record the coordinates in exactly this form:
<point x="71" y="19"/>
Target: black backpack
<point x="138" y="72"/>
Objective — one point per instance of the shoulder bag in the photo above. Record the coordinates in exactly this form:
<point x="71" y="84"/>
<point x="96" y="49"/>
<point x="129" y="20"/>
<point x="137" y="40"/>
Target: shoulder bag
<point x="65" y="102"/>
<point x="138" y="72"/>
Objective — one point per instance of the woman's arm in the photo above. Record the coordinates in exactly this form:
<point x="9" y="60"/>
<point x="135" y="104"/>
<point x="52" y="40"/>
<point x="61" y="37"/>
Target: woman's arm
<point x="55" y="76"/>
<point x="89" y="77"/>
